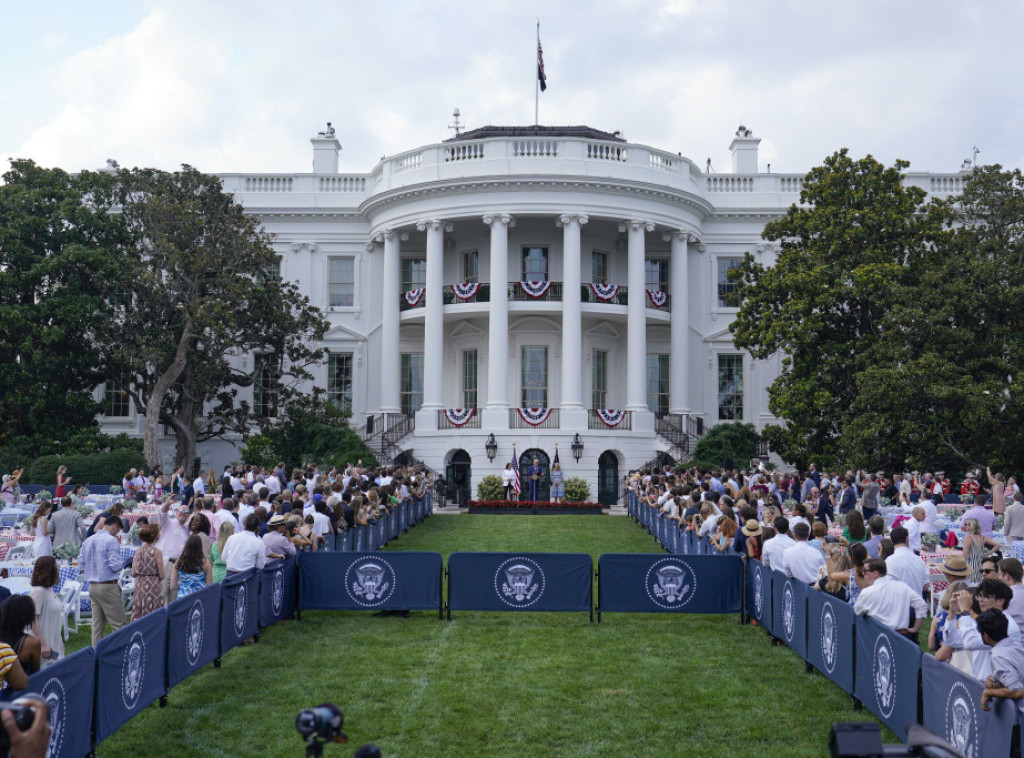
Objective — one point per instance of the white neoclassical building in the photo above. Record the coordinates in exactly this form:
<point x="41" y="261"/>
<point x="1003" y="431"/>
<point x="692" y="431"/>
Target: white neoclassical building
<point x="542" y="285"/>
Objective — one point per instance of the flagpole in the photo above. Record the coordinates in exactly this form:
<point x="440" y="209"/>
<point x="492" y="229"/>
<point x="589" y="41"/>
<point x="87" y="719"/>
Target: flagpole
<point x="536" y="84"/>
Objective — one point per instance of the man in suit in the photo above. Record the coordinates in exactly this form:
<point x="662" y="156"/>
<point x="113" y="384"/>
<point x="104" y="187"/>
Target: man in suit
<point x="533" y="475"/>
<point x="848" y="497"/>
<point x="66" y="525"/>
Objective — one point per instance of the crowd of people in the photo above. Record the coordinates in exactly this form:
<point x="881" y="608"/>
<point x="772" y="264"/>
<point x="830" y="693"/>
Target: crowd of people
<point x="825" y="529"/>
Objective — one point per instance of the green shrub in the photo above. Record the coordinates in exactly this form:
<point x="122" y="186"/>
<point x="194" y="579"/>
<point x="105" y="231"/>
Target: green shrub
<point x="576" y="490"/>
<point x="490" y="488"/>
<point x="98" y="468"/>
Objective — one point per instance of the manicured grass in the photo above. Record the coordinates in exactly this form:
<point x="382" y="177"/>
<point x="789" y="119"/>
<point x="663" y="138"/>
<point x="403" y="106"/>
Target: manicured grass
<point x="505" y="684"/>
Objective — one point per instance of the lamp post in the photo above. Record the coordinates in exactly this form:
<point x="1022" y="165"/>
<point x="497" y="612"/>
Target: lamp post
<point x="577" y="448"/>
<point x="491" y="446"/>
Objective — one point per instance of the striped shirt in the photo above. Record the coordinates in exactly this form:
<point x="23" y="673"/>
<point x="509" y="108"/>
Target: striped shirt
<point x="7" y="659"/>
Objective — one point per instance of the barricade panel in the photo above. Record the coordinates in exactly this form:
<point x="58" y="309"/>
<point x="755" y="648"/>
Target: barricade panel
<point x="789" y="606"/>
<point x="130" y="671"/>
<point x="277" y="591"/>
<point x="239" y="609"/>
<point x="887" y="668"/>
<point x="520" y="581"/>
<point x="644" y="583"/>
<point x="193" y="626"/>
<point x="952" y="710"/>
<point x="759" y="593"/>
<point x="830" y="625"/>
<point x="370" y="581"/>
<point x="67" y="686"/>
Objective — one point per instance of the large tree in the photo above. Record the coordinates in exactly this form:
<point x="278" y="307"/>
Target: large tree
<point x="202" y="297"/>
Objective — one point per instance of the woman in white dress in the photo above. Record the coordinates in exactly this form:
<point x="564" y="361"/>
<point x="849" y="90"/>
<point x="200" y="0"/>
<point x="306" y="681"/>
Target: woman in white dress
<point x="40" y="526"/>
<point x="47" y="624"/>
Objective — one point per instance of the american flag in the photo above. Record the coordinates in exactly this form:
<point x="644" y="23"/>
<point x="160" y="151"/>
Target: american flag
<point x="516" y="483"/>
<point x="541" y="76"/>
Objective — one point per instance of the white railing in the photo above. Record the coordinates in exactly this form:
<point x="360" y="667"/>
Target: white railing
<point x="725" y="183"/>
<point x="946" y="184"/>
<point x="603" y="151"/>
<point x="342" y="184"/>
<point x="535" y="148"/>
<point x="662" y="162"/>
<point x="465" y="151"/>
<point x="408" y="162"/>
<point x="268" y="183"/>
<point x="791" y="184"/>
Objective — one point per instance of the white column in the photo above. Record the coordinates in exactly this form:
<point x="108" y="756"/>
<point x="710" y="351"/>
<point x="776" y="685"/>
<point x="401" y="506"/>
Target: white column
<point x="433" y="333"/>
<point x="573" y="410"/>
<point x="679" y="358"/>
<point x="636" y="316"/>
<point x="496" y="412"/>
<point x="390" y="361"/>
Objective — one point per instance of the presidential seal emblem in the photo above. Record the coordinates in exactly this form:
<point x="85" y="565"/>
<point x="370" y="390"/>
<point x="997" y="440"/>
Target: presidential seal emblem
<point x="670" y="583"/>
<point x="241" y="611"/>
<point x="277" y="596"/>
<point x="194" y="627"/>
<point x="961" y="721"/>
<point x="519" y="582"/>
<point x="788" y="612"/>
<point x="829" y="642"/>
<point x="370" y="582"/>
<point x="133" y="671"/>
<point x="883" y="675"/>
<point x="55" y="696"/>
<point x="758" y="594"/>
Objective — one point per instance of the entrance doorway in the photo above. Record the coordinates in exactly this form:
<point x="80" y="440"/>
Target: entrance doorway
<point x="544" y="488"/>
<point x="607" y="479"/>
<point x="458" y="475"/>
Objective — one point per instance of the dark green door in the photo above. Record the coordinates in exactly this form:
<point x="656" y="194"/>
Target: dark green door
<point x="607" y="479"/>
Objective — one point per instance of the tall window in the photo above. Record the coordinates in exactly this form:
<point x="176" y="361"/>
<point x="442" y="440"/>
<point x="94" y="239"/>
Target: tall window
<point x="272" y="273"/>
<point x="535" y="265"/>
<point x="414" y="274"/>
<point x="599" y="398"/>
<point x="725" y="287"/>
<point x="657" y="383"/>
<point x="471" y="267"/>
<point x="730" y="387"/>
<point x="115" y="401"/>
<point x="412" y="382"/>
<point x="265" y="385"/>
<point x="599" y="271"/>
<point x="341" y="289"/>
<point x="469" y="378"/>
<point x="339" y="380"/>
<point x="535" y="377"/>
<point x="656" y="274"/>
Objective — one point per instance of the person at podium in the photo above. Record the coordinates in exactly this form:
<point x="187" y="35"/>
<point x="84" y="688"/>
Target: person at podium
<point x="533" y="475"/>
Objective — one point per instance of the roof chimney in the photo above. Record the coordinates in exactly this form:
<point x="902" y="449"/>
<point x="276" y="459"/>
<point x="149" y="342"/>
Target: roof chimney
<point x="744" y="151"/>
<point x="325" y="151"/>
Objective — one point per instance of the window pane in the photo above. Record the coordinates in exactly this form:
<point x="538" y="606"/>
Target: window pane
<point x="599" y="272"/>
<point x="265" y="385"/>
<point x="656" y="274"/>
<point x="600" y="380"/>
<point x="339" y="380"/>
<point x="470" y="267"/>
<point x="469" y="378"/>
<point x="725" y="265"/>
<point x="412" y="382"/>
<point x="730" y="387"/>
<point x="341" y="288"/>
<point x="116" y="401"/>
<point x="414" y="274"/>
<point x="657" y="383"/>
<point x="535" y="377"/>
<point x="535" y="265"/>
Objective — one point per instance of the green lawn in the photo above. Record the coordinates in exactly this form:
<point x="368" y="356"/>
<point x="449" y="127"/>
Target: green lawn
<point x="508" y="684"/>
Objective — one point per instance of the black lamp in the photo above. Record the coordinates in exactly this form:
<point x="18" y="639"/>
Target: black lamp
<point x="491" y="446"/>
<point x="577" y="447"/>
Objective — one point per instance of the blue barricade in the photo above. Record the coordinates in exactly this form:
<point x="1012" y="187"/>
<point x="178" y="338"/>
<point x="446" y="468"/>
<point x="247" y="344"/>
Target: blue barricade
<point x="639" y="583"/>
<point x="67" y="686"/>
<point x="520" y="582"/>
<point x="789" y="608"/>
<point x="370" y="581"/>
<point x="759" y="593"/>
<point x="277" y="591"/>
<point x="952" y="710"/>
<point x="193" y="623"/>
<point x="345" y="540"/>
<point x="239" y="609"/>
<point x="685" y="544"/>
<point x="359" y="538"/>
<point x="830" y="624"/>
<point x="887" y="669"/>
<point x="380" y="533"/>
<point x="130" y="671"/>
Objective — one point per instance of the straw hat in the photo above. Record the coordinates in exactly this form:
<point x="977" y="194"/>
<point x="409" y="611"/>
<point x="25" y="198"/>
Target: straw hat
<point x="752" y="528"/>
<point x="954" y="565"/>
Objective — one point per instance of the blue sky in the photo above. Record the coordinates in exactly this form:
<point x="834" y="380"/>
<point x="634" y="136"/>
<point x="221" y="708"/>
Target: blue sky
<point x="232" y="86"/>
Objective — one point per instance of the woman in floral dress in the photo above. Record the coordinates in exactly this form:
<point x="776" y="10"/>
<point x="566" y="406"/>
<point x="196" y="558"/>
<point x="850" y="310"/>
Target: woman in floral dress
<point x="148" y="571"/>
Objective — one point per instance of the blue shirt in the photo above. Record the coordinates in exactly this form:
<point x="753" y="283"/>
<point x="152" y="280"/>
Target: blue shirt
<point x="100" y="558"/>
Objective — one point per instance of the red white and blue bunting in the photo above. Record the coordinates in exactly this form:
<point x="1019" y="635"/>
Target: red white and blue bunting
<point x="657" y="298"/>
<point x="534" y="416"/>
<point x="459" y="416"/>
<point x="610" y="418"/>
<point x="535" y="289"/>
<point x="413" y="297"/>
<point x="604" y="292"/>
<point x="465" y="291"/>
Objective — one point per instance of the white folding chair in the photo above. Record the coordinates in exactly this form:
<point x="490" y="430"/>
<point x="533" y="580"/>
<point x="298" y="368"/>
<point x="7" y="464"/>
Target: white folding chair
<point x="20" y="552"/>
<point x="127" y="584"/>
<point x="936" y="594"/>
<point x="71" y="606"/>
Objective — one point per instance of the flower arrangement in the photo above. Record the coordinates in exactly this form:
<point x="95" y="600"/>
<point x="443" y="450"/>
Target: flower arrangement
<point x="130" y="505"/>
<point x="86" y="492"/>
<point x="133" y="533"/>
<point x="789" y="504"/>
<point x="884" y="502"/>
<point x="115" y="490"/>
<point x="954" y="514"/>
<point x="85" y="510"/>
<point x="576" y="490"/>
<point x="43" y="496"/>
<point x="532" y="505"/>
<point x="67" y="551"/>
<point x="929" y="541"/>
<point x="966" y="498"/>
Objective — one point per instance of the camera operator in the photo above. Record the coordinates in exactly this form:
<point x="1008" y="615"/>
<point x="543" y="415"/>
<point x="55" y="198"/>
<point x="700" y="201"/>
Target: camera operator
<point x="34" y="741"/>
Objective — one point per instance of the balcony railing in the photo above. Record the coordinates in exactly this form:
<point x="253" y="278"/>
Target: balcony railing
<point x="516" y="293"/>
<point x="553" y="293"/>
<point x="405" y="305"/>
<point x="652" y="295"/>
<point x="443" y="422"/>
<point x="515" y="421"/>
<point x="587" y="295"/>
<point x="594" y="421"/>
<point x="482" y="295"/>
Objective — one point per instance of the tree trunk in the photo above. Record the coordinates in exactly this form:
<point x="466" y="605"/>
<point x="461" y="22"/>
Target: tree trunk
<point x="151" y="446"/>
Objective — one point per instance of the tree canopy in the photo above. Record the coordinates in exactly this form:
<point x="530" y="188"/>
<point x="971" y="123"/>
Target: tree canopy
<point x="734" y="442"/>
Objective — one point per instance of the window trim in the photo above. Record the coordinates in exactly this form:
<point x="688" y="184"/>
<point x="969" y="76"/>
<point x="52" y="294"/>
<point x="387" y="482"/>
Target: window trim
<point x="356" y="263"/>
<point x="411" y="258"/>
<point x="465" y="255"/>
<point x="742" y="405"/>
<point x="465" y="377"/>
<point x="402" y="393"/>
<point x="522" y="261"/>
<point x="332" y="356"/>
<point x="667" y="394"/>
<point x="547" y="375"/>
<point x="716" y="304"/>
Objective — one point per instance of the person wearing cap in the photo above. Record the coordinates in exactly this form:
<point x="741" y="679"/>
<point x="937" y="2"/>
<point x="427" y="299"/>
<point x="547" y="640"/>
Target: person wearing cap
<point x="955" y="568"/>
<point x="969" y="486"/>
<point x="276" y="542"/>
<point x="100" y="560"/>
<point x="940" y="477"/>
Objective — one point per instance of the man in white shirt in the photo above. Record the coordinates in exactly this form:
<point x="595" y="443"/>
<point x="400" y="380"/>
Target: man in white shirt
<point x="245" y="508"/>
<point x="913" y="527"/>
<point x="273" y="485"/>
<point x="244" y="550"/>
<point x="1007" y="678"/>
<point x="802" y="561"/>
<point x="199" y="485"/>
<point x="961" y="631"/>
<point x="774" y="549"/>
<point x="889" y="601"/>
<point x="903" y="565"/>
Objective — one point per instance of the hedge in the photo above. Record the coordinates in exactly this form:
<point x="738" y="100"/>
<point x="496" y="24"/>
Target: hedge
<point x="97" y="468"/>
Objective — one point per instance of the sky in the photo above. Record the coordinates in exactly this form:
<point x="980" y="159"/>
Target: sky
<point x="231" y="86"/>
